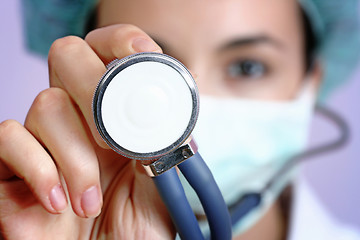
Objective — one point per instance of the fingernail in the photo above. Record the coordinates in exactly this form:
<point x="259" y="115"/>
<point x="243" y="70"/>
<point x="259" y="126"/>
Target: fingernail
<point x="91" y="202"/>
<point x="145" y="45"/>
<point x="58" y="199"/>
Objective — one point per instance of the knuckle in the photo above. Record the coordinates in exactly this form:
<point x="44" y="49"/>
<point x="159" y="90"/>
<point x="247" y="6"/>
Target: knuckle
<point x="41" y="177"/>
<point x="64" y="46"/>
<point x="83" y="169"/>
<point x="115" y="32"/>
<point x="50" y="100"/>
<point x="123" y="34"/>
<point x="42" y="172"/>
<point x="126" y="28"/>
<point x="7" y="129"/>
<point x="61" y="53"/>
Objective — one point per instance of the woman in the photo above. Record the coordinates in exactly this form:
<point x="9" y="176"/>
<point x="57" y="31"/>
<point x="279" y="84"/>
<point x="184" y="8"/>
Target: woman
<point x="249" y="58"/>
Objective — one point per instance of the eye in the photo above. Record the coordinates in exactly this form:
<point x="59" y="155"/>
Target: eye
<point x="246" y="68"/>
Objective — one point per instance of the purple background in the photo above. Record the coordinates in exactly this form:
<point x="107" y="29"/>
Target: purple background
<point x="334" y="176"/>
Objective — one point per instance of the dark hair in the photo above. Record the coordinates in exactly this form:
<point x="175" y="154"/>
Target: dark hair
<point x="310" y="41"/>
<point x="91" y="21"/>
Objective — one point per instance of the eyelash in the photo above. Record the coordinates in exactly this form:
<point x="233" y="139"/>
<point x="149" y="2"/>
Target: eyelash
<point x="247" y="68"/>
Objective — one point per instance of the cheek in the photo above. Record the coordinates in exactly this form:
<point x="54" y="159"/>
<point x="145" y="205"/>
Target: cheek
<point x="292" y="75"/>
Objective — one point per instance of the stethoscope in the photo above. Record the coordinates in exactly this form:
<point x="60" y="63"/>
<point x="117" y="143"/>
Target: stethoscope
<point x="145" y="108"/>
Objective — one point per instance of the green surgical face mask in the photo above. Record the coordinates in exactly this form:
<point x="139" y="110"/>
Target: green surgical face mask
<point x="245" y="142"/>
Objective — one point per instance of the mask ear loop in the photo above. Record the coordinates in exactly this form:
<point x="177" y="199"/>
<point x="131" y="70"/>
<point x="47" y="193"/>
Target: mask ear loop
<point x="252" y="200"/>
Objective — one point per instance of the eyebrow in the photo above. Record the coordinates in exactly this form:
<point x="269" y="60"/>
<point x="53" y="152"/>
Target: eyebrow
<point x="252" y="40"/>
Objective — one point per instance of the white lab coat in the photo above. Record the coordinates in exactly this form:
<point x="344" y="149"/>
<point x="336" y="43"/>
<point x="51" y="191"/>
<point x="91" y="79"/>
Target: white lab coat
<point x="310" y="220"/>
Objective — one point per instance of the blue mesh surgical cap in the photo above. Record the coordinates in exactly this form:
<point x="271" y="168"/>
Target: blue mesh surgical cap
<point x="47" y="20"/>
<point x="335" y="24"/>
<point x="337" y="29"/>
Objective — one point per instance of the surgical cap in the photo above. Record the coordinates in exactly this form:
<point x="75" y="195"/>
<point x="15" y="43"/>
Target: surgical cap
<point x="335" y="24"/>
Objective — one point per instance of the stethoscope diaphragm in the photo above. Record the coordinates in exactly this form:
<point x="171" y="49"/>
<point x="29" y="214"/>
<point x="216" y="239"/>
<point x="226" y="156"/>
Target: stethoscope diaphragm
<point x="146" y="105"/>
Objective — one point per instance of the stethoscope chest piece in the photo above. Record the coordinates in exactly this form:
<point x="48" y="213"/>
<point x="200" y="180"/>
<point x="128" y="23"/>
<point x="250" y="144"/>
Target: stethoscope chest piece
<point x="146" y="105"/>
<point x="145" y="108"/>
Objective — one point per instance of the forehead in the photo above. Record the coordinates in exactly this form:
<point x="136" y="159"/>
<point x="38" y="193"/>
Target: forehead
<point x="194" y="20"/>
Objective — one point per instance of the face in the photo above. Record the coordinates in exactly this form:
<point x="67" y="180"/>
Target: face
<point x="251" y="49"/>
<point x="236" y="48"/>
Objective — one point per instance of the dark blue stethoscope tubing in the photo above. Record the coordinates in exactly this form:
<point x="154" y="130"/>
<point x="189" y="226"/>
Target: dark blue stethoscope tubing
<point x="172" y="193"/>
<point x="201" y="179"/>
<point x="199" y="176"/>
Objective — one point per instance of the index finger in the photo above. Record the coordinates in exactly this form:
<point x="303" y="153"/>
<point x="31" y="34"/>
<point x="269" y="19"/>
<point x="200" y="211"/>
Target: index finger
<point x="118" y="41"/>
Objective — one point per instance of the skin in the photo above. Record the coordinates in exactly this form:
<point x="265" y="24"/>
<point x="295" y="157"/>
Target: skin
<point x="59" y="152"/>
<point x="204" y="40"/>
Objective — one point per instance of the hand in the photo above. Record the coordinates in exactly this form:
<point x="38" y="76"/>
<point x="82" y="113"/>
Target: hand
<point x="56" y="173"/>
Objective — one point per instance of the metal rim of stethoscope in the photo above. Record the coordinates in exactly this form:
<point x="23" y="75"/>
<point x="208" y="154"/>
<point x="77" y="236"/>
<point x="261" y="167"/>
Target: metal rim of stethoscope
<point x="116" y="66"/>
<point x="253" y="199"/>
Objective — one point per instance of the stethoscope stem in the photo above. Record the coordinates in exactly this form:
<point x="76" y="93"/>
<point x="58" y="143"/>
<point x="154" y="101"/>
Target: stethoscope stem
<point x="202" y="181"/>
